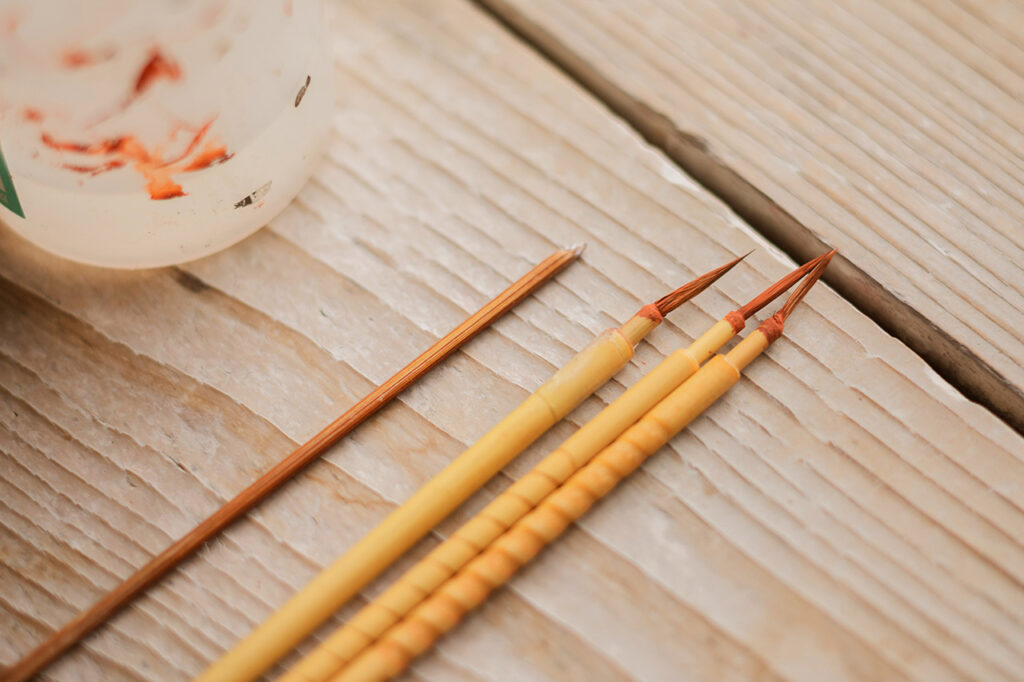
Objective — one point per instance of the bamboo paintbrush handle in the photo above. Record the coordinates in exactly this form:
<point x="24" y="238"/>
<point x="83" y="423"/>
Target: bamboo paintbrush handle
<point x="407" y="524"/>
<point x="443" y="609"/>
<point x="469" y="540"/>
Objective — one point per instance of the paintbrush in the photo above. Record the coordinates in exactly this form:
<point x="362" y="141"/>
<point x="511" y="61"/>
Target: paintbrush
<point x="455" y="552"/>
<point x="437" y="498"/>
<point x="156" y="568"/>
<point x="444" y="606"/>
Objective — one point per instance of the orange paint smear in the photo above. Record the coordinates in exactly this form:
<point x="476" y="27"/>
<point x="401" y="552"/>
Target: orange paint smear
<point x="33" y="115"/>
<point x="10" y="23"/>
<point x="162" y="187"/>
<point x="97" y="169"/>
<point x="104" y="147"/>
<point x="191" y="147"/>
<point x="157" y="67"/>
<point x="211" y="155"/>
<point x="157" y="171"/>
<point x="74" y="59"/>
<point x="287" y="8"/>
<point x="212" y="15"/>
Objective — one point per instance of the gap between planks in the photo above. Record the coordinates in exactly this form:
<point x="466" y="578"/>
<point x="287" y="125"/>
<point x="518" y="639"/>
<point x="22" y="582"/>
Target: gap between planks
<point x="954" y="362"/>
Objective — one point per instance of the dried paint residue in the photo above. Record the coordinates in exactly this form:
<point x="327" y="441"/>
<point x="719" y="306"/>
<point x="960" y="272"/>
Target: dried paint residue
<point x="94" y="169"/>
<point x="211" y="155"/>
<point x="33" y="115"/>
<point x="76" y="58"/>
<point x="151" y="164"/>
<point x="156" y="67"/>
<point x="9" y="22"/>
<point x="104" y="147"/>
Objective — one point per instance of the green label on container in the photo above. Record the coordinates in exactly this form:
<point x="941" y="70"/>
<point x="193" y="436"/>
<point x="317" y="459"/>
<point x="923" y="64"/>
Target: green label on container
<point x="8" y="196"/>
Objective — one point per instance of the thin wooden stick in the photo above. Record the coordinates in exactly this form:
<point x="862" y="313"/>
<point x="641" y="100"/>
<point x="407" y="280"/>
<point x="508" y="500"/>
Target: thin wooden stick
<point x="116" y="599"/>
<point x="445" y="605"/>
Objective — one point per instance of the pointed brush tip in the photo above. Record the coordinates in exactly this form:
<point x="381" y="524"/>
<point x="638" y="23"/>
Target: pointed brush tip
<point x="811" y="264"/>
<point x="812" y="278"/>
<point x="734" y="262"/>
<point x="711" y="276"/>
<point x="578" y="249"/>
<point x="816" y="266"/>
<point x="814" y="262"/>
<point x="781" y="286"/>
<point x="754" y="305"/>
<point x="730" y="264"/>
<point x="826" y="257"/>
<point x="674" y="299"/>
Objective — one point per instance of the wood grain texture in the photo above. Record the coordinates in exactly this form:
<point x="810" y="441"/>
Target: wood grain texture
<point x="841" y="514"/>
<point x="285" y="469"/>
<point x="890" y="130"/>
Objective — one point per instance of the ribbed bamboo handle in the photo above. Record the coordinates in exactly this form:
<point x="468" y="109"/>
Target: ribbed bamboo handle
<point x="443" y="609"/>
<point x="401" y="529"/>
<point x="469" y="540"/>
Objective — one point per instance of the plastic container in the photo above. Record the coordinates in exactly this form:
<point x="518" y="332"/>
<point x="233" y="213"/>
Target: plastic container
<point x="140" y="133"/>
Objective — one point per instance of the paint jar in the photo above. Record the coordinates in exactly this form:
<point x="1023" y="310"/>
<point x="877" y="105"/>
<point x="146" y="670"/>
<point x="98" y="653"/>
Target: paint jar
<point x="140" y="133"/>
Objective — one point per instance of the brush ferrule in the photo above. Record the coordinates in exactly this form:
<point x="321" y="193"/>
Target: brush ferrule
<point x="641" y="324"/>
<point x="737" y="320"/>
<point x="772" y="327"/>
<point x="651" y="312"/>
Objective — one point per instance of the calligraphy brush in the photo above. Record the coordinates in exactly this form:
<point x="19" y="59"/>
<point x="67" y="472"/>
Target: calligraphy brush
<point x="511" y="505"/>
<point x="443" y="607"/>
<point x="439" y="496"/>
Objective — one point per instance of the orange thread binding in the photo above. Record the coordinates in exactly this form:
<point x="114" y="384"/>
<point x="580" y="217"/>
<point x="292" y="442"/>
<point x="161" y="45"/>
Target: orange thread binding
<point x="651" y="312"/>
<point x="737" y="320"/>
<point x="772" y="327"/>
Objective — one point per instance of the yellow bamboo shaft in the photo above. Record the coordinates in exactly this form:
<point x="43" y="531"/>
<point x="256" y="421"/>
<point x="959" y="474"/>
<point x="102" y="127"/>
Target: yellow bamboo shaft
<point x="446" y="605"/>
<point x="748" y="349"/>
<point x="451" y="555"/>
<point x="337" y="583"/>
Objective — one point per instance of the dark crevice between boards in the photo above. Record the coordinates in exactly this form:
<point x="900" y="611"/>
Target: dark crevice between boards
<point x="953" y="361"/>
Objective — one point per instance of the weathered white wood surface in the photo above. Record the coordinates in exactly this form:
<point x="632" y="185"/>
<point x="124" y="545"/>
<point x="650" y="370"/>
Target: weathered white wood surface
<point x="841" y="514"/>
<point x="893" y="130"/>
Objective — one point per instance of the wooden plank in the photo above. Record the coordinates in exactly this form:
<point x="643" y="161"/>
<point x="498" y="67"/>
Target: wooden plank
<point x="842" y="514"/>
<point x="894" y="131"/>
